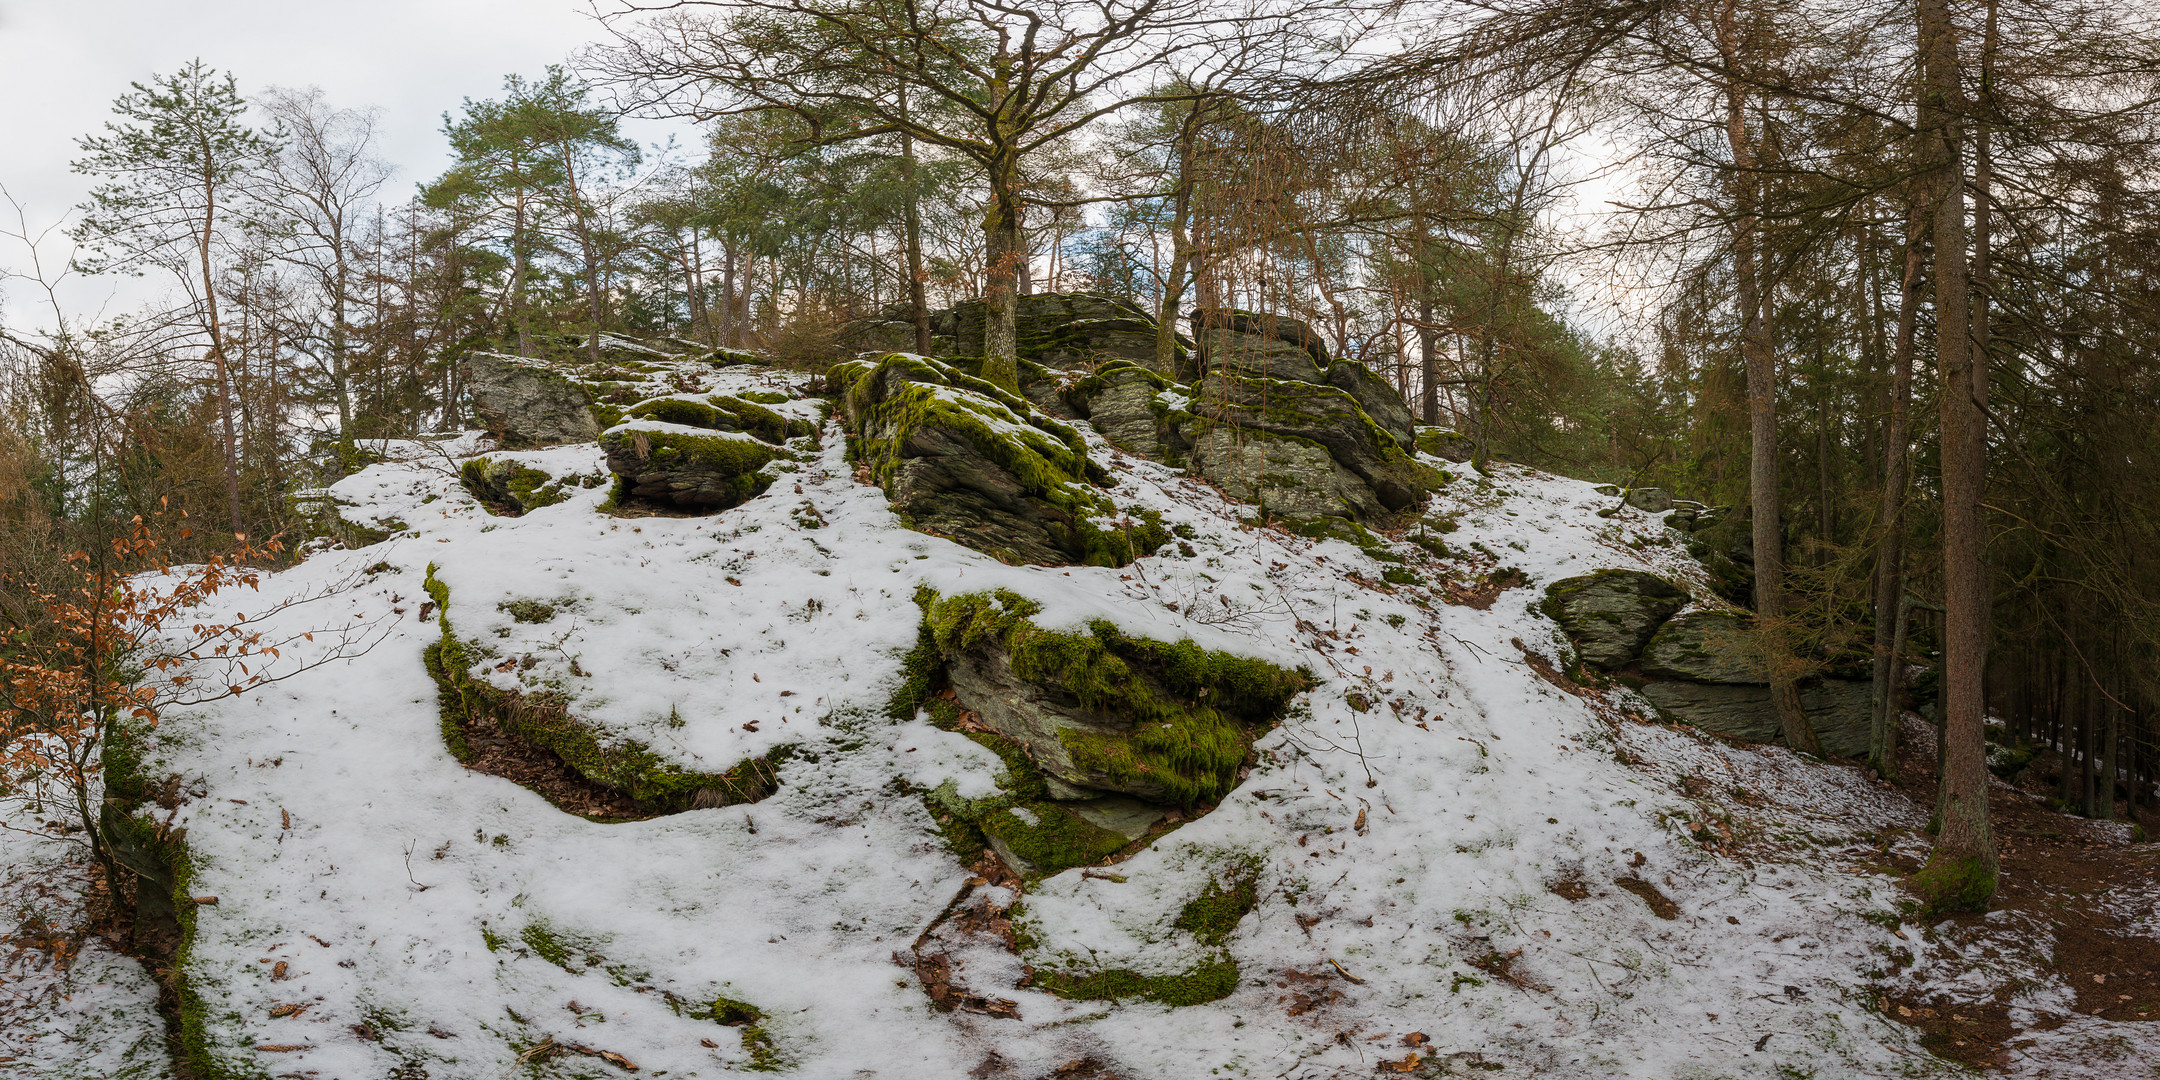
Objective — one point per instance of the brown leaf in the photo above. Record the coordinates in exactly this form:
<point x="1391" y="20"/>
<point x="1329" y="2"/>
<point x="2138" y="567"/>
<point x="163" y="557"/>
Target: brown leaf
<point x="277" y="974"/>
<point x="281" y="1048"/>
<point x="288" y="1009"/>
<point x="617" y="1059"/>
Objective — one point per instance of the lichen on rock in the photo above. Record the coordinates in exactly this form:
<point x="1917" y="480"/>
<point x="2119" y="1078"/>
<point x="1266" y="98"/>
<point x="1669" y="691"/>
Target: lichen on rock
<point x="509" y="488"/>
<point x="526" y="402"/>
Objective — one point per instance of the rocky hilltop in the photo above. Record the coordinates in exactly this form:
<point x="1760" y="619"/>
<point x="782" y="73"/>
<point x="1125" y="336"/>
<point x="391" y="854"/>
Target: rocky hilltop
<point x="884" y="721"/>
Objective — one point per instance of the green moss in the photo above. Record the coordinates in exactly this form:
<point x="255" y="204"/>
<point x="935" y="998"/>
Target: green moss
<point x="1194" y="712"/>
<point x="527" y="611"/>
<point x="721" y="412"/>
<point x="544" y="720"/>
<point x="764" y="1056"/>
<point x="508" y="489"/>
<point x="1210" y="981"/>
<point x="1401" y="575"/>
<point x="765" y="397"/>
<point x="1214" y="914"/>
<point x="1952" y="884"/>
<point x="1050" y="837"/>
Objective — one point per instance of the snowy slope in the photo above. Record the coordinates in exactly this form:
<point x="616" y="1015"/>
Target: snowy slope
<point x="1442" y="861"/>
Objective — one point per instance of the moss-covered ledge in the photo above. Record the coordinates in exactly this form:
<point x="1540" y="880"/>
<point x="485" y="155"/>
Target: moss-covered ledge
<point x="1098" y="710"/>
<point x="1207" y="919"/>
<point x="544" y="720"/>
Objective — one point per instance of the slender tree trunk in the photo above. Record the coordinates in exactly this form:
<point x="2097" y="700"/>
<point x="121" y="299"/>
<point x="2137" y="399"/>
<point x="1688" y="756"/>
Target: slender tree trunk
<point x="217" y="348"/>
<point x="1003" y="249"/>
<point x="1761" y="363"/>
<point x="1961" y="873"/>
<point x="519" y="268"/>
<point x="918" y="306"/>
<point x="1890" y="551"/>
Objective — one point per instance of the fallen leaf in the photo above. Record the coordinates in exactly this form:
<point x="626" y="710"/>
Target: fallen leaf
<point x="277" y="974"/>
<point x="288" y="1009"/>
<point x="1415" y="1039"/>
<point x="280" y="1048"/>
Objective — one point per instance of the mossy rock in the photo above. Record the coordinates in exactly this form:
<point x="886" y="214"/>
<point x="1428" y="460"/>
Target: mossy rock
<point x="544" y="720"/>
<point x="1610" y="614"/>
<point x="1131" y="405"/>
<point x="1706" y="647"/>
<point x="721" y="412"/>
<point x="1099" y="711"/>
<point x="507" y="488"/>
<point x="965" y="459"/>
<point x="1259" y="344"/>
<point x="1324" y="416"/>
<point x="1383" y="404"/>
<point x="1209" y="918"/>
<point x="687" y="468"/>
<point x="1441" y="442"/>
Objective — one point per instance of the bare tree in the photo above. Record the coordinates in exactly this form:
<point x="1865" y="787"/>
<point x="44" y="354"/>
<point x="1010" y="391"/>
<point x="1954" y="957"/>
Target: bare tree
<point x="317" y="188"/>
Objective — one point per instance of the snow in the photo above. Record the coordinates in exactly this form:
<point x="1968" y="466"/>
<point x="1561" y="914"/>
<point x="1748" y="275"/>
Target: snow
<point x="1413" y="846"/>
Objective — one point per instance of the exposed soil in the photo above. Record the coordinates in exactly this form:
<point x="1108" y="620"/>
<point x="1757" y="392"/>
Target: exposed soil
<point x="498" y="753"/>
<point x="2061" y="875"/>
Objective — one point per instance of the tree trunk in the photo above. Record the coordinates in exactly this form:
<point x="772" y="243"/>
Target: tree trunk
<point x="1890" y="552"/>
<point x="217" y="349"/>
<point x="1003" y="248"/>
<point x="1961" y="873"/>
<point x="918" y="307"/>
<point x="1761" y="363"/>
<point x="520" y="266"/>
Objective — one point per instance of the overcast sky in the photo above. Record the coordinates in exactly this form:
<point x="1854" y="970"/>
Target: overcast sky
<point x="63" y="61"/>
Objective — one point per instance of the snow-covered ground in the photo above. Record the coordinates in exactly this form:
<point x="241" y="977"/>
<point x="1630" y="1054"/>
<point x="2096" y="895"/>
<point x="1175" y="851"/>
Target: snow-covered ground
<point x="1437" y="870"/>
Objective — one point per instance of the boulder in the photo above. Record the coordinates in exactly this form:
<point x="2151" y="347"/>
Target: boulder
<point x="1454" y="446"/>
<point x="1101" y="713"/>
<point x="526" y="403"/>
<point x="1650" y="500"/>
<point x="1249" y="354"/>
<point x="1286" y="476"/>
<point x="1062" y="331"/>
<point x="1705" y="647"/>
<point x="1322" y="415"/>
<point x="1378" y="398"/>
<point x="962" y="458"/>
<point x="1610" y="614"/>
<point x="1838" y="710"/>
<point x="721" y="412"/>
<point x="687" y="468"/>
<point x="1135" y="408"/>
<point x="509" y="488"/>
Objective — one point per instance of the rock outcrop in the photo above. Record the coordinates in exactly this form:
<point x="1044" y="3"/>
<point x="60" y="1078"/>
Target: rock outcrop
<point x="1138" y="409"/>
<point x="1059" y="331"/>
<point x="526" y="403"/>
<point x="692" y="469"/>
<point x="1102" y="733"/>
<point x="1251" y="343"/>
<point x="1610" y="614"/>
<point x="963" y="458"/>
<point x="1698" y="667"/>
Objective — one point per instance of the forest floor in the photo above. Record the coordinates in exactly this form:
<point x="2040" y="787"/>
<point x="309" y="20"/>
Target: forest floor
<point x="2072" y="940"/>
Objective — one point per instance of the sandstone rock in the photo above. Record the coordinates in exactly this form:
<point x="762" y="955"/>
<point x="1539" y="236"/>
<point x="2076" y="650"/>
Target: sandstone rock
<point x="687" y="468"/>
<point x="1286" y="476"/>
<point x="966" y="459"/>
<point x="1247" y="343"/>
<point x="508" y="488"/>
<point x="1135" y="408"/>
<point x="1062" y="331"/>
<point x="1703" y="646"/>
<point x="526" y="403"/>
<point x="1610" y="614"/>
<point x="1650" y="500"/>
<point x="1836" y="708"/>
<point x="1378" y="398"/>
<point x="1323" y="415"/>
<point x="1454" y="446"/>
<point x="1101" y="713"/>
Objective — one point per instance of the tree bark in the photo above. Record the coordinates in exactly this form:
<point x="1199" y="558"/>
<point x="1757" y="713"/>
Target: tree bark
<point x="1890" y="551"/>
<point x="217" y="340"/>
<point x="1761" y="362"/>
<point x="1961" y="873"/>
<point x="918" y="306"/>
